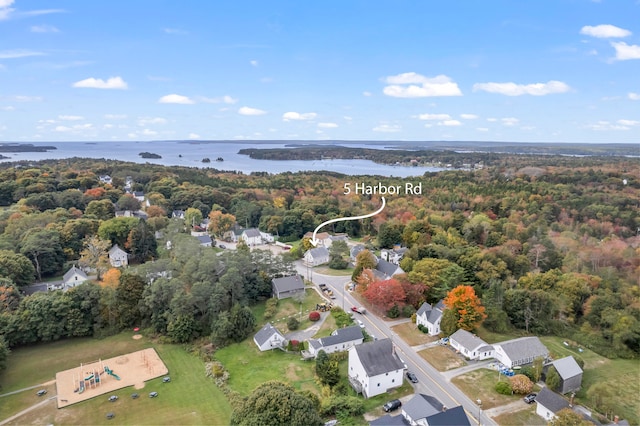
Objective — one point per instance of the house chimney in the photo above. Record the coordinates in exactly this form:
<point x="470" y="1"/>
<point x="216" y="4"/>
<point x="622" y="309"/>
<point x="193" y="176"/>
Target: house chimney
<point x="616" y="419"/>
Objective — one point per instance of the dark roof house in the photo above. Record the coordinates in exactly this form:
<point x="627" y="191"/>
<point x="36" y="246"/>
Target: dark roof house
<point x="520" y="351"/>
<point x="570" y="374"/>
<point x="379" y="357"/>
<point x="268" y="338"/>
<point x="287" y="286"/>
<point x="548" y="403"/>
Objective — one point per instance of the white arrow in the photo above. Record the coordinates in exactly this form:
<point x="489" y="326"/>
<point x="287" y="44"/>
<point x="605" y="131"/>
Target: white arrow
<point x="315" y="242"/>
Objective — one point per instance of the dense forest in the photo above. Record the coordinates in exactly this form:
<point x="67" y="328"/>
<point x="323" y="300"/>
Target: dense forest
<point x="551" y="247"/>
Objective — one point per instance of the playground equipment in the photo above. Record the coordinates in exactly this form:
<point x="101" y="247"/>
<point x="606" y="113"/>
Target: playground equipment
<point x="111" y="373"/>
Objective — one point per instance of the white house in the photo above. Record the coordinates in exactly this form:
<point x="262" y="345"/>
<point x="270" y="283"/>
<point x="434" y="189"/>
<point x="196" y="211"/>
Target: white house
<point x="251" y="237"/>
<point x="430" y="316"/>
<point x="269" y="338"/>
<point x="106" y="179"/>
<point x="266" y="237"/>
<point x="342" y="339"/>
<point x="118" y="257"/>
<point x="394" y="255"/>
<point x="520" y="351"/>
<point x="205" y="240"/>
<point x="74" y="277"/>
<point x="177" y="214"/>
<point x="470" y="345"/>
<point x="374" y="368"/>
<point x="316" y="256"/>
<point x="548" y="403"/>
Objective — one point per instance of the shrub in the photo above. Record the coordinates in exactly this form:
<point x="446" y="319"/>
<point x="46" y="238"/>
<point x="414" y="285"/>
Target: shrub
<point x="394" y="312"/>
<point x="271" y="308"/>
<point x="350" y="405"/>
<point x="293" y="323"/>
<point x="423" y="328"/>
<point x="503" y="388"/>
<point x="408" y="311"/>
<point x="521" y="384"/>
<point x="553" y="378"/>
<point x="293" y="345"/>
<point x="529" y="372"/>
<point x="314" y="316"/>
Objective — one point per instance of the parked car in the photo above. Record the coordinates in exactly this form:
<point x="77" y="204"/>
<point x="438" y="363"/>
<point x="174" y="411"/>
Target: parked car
<point x="222" y="246"/>
<point x="153" y="394"/>
<point x="134" y="396"/>
<point x="113" y="398"/>
<point x="412" y="377"/>
<point x="41" y="392"/>
<point x="166" y="379"/>
<point x="360" y="323"/>
<point x="529" y="399"/>
<point x="392" y="405"/>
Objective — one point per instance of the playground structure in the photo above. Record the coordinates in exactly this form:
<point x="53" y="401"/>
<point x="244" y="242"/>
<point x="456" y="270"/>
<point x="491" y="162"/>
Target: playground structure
<point x="97" y="378"/>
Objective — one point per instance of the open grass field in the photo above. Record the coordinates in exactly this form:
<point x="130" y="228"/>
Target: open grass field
<point x="409" y="332"/>
<point x="442" y="358"/>
<point x="325" y="270"/>
<point x="190" y="398"/>
<point x="288" y="308"/>
<point x="479" y="384"/>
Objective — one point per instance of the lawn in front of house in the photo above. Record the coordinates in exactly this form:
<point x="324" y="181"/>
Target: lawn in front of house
<point x="442" y="358"/>
<point x="409" y="332"/>
<point x="290" y="307"/>
<point x="325" y="270"/>
<point x="479" y="384"/>
<point x="190" y="397"/>
<point x="527" y="417"/>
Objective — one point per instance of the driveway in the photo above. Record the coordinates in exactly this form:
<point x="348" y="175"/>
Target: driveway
<point x="308" y="333"/>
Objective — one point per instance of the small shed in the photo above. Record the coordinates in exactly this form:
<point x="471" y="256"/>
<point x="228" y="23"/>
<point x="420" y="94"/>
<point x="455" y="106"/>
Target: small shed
<point x="570" y="374"/>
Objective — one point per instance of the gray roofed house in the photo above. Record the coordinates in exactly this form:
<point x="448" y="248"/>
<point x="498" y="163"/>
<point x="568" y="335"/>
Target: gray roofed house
<point x="430" y="316"/>
<point x="455" y="416"/>
<point x="118" y="257"/>
<point x="520" y="351"/>
<point x="374" y="368"/>
<point x="570" y="374"/>
<point x="251" y="237"/>
<point x="74" y="277"/>
<point x="269" y="338"/>
<point x="205" y="240"/>
<point x="340" y="340"/>
<point x="287" y="286"/>
<point x="548" y="403"/>
<point x="389" y="420"/>
<point x="316" y="256"/>
<point x="353" y="252"/>
<point x="425" y="410"/>
<point x="388" y="268"/>
<point x="470" y="345"/>
<point x="177" y="214"/>
<point x="379" y="357"/>
<point x="421" y="407"/>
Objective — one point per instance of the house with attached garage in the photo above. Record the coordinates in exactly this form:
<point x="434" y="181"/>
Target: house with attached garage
<point x="470" y="345"/>
<point x="118" y="257"/>
<point x="520" y="351"/>
<point x="269" y="338"/>
<point x="287" y="286"/>
<point x="374" y="368"/>
<point x="340" y="340"/>
<point x="548" y="403"/>
<point x="316" y="256"/>
<point x="425" y="410"/>
<point x="430" y="316"/>
<point x="570" y="374"/>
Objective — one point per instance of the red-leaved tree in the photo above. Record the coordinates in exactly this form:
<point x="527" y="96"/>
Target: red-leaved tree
<point x="384" y="294"/>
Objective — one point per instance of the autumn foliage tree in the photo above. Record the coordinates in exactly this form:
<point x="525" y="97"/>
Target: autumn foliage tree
<point x="385" y="294"/>
<point x="464" y="302"/>
<point x="521" y="384"/>
<point x="219" y="223"/>
<point x="111" y="278"/>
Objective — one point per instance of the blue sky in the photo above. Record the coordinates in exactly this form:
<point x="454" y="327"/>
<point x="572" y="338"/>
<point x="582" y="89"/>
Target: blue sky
<point x="549" y="70"/>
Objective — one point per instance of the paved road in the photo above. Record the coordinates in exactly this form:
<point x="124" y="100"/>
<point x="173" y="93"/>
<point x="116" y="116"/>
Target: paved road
<point x="431" y="381"/>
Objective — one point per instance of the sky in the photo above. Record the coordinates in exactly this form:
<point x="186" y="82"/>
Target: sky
<point x="492" y="70"/>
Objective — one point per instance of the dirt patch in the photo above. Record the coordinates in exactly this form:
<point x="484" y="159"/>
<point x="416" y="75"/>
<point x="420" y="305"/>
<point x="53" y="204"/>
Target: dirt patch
<point x="442" y="358"/>
<point x="104" y="376"/>
<point x="292" y="372"/>
<point x="136" y="336"/>
<point x="409" y="332"/>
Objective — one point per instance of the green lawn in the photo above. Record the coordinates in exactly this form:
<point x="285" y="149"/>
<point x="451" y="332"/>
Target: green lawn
<point x="190" y="398"/>
<point x="526" y="417"/>
<point x="479" y="384"/>
<point x="325" y="270"/>
<point x="409" y="332"/>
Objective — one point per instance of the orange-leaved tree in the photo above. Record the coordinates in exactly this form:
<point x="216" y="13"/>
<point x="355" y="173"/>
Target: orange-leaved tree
<point x="466" y="304"/>
<point x="111" y="278"/>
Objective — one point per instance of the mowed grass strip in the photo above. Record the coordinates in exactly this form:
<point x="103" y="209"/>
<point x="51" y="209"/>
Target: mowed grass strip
<point x="409" y="332"/>
<point x="442" y="358"/>
<point x="190" y="397"/>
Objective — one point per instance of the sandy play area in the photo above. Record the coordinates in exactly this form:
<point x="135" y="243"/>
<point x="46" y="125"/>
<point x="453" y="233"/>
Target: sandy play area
<point x="133" y="369"/>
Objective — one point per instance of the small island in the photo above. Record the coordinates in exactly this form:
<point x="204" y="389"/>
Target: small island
<point x="206" y="160"/>
<point x="219" y="159"/>
<point x="149" y="155"/>
<point x="24" y="147"/>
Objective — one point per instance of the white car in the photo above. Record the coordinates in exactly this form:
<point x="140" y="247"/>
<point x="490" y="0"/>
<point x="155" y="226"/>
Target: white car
<point x="360" y="323"/>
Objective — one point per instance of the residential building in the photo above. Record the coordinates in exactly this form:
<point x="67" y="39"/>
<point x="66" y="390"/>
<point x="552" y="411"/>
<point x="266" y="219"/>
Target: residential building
<point x="177" y="214"/>
<point x="430" y="316"/>
<point x="374" y="368"/>
<point x="520" y="351"/>
<point x="105" y="179"/>
<point x="548" y="403"/>
<point x="353" y="252"/>
<point x="205" y="240"/>
<point x="74" y="277"/>
<point x="388" y="269"/>
<point x="118" y="257"/>
<point x="425" y="410"/>
<point x="316" y="256"/>
<point x="287" y="286"/>
<point x="340" y="340"/>
<point x="269" y="338"/>
<point x="470" y="345"/>
<point x="570" y="374"/>
<point x="394" y="255"/>
<point x="251" y="237"/>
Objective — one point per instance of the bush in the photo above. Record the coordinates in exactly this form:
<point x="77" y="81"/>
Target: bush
<point x="529" y="372"/>
<point x="394" y="312"/>
<point x="408" y="311"/>
<point x="350" y="405"/>
<point x="503" y="388"/>
<point x="271" y="308"/>
<point x="294" y="346"/>
<point x="553" y="378"/>
<point x="314" y="316"/>
<point x="521" y="384"/>
<point x="293" y="323"/>
<point x="423" y="328"/>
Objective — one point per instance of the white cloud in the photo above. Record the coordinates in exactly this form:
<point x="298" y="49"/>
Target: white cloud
<point x="254" y="63"/>
<point x="62" y="129"/>
<point x="634" y="96"/>
<point x="434" y="116"/>
<point x="19" y="53"/>
<point x="148" y="132"/>
<point x="44" y="29"/>
<point x="226" y="99"/>
<point x="603" y="125"/>
<point x="365" y="93"/>
<point x="513" y="89"/>
<point x="628" y="122"/>
<point x="327" y="125"/>
<point x="626" y="51"/>
<point x="413" y="85"/>
<point x="70" y="117"/>
<point x="75" y="129"/>
<point x="468" y="116"/>
<point x="492" y="119"/>
<point x="297" y="116"/>
<point x="482" y="129"/>
<point x="194" y="136"/>
<point x="115" y="116"/>
<point x="98" y="83"/>
<point x="509" y="121"/>
<point x="145" y="121"/>
<point x="450" y="123"/>
<point x="5" y="10"/>
<point x="245" y="110"/>
<point x="605" y="31"/>
<point x="387" y="128"/>
<point x="22" y="98"/>
<point x="347" y="118"/>
<point x="175" y="99"/>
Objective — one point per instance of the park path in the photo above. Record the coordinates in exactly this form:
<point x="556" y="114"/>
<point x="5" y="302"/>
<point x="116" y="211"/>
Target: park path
<point x="29" y="388"/>
<point x="26" y="410"/>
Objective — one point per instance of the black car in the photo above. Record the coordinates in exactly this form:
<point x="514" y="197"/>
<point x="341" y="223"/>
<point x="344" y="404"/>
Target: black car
<point x="530" y="399"/>
<point x="412" y="377"/>
<point x="392" y="405"/>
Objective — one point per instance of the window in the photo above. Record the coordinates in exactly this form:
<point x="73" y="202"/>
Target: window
<point x="378" y="384"/>
<point x="386" y="374"/>
<point x="393" y="380"/>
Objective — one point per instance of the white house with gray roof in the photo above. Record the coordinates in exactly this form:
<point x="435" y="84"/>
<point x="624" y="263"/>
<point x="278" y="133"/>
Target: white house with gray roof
<point x="374" y="368"/>
<point x="470" y="345"/>
<point x="287" y="286"/>
<point x="118" y="257"/>
<point x="73" y="277"/>
<point x="520" y="351"/>
<point x="570" y="374"/>
<point x="548" y="403"/>
<point x="316" y="256"/>
<point x="430" y="316"/>
<point x="269" y="338"/>
<point x="251" y="237"/>
<point x="340" y="340"/>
